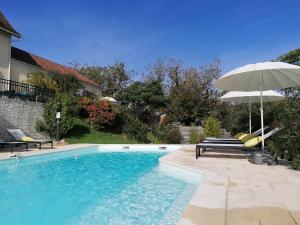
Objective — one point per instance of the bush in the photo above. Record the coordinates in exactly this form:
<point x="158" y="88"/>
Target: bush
<point x="286" y="143"/>
<point x="153" y="139"/>
<point x="194" y="136"/>
<point x="165" y="134"/>
<point x="212" y="127"/>
<point x="136" y="129"/>
<point x="82" y="106"/>
<point x="68" y="112"/>
<point x="42" y="80"/>
<point x="102" y="114"/>
<point x="296" y="163"/>
<point x="201" y="138"/>
<point x="174" y="136"/>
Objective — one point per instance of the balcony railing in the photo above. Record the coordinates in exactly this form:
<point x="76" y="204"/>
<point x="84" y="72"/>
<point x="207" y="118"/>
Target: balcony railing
<point x="22" y="91"/>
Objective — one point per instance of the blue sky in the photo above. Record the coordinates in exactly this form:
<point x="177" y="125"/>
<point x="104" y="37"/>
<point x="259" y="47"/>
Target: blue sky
<point x="138" y="32"/>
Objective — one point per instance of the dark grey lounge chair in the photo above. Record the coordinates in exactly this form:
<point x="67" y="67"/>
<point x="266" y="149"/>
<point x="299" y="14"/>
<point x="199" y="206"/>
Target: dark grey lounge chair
<point x="225" y="146"/>
<point x="12" y="144"/>
<point x="231" y="140"/>
<point x="19" y="136"/>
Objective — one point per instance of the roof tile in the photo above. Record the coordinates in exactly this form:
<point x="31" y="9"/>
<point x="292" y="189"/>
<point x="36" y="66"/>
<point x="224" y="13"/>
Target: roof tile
<point x="48" y="65"/>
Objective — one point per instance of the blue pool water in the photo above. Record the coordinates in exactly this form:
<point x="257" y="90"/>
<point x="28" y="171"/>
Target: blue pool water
<point x="88" y="187"/>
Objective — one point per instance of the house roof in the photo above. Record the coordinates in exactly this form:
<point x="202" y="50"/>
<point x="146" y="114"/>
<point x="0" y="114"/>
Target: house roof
<point x="7" y="27"/>
<point x="34" y="60"/>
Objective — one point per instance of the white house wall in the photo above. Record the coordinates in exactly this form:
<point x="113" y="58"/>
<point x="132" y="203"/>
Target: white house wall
<point x="20" y="70"/>
<point x="4" y="55"/>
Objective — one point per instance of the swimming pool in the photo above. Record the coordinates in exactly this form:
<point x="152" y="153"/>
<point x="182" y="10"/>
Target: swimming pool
<point x="88" y="187"/>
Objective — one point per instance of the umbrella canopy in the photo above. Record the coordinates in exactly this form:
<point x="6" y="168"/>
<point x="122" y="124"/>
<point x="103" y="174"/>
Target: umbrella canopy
<point x="109" y="99"/>
<point x="251" y="97"/>
<point x="261" y="77"/>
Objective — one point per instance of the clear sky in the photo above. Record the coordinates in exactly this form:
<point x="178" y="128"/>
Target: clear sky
<point x="138" y="31"/>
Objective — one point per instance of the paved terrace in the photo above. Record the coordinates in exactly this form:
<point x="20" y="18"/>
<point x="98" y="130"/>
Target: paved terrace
<point x="236" y="192"/>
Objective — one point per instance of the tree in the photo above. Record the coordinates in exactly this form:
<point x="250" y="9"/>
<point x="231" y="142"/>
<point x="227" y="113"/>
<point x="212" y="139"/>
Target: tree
<point x="111" y="79"/>
<point x="65" y="89"/>
<point x="144" y="98"/>
<point x="68" y="113"/>
<point x="59" y="83"/>
<point x="286" y="143"/>
<point x="292" y="57"/>
<point x="43" y="80"/>
<point x="193" y="95"/>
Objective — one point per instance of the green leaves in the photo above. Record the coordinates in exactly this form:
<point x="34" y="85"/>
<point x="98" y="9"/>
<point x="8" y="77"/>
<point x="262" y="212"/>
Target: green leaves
<point x="111" y="79"/>
<point x="212" y="127"/>
<point x="68" y="113"/>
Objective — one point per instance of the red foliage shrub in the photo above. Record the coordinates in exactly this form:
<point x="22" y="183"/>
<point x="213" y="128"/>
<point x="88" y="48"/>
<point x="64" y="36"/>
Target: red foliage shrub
<point x="102" y="114"/>
<point x="85" y="102"/>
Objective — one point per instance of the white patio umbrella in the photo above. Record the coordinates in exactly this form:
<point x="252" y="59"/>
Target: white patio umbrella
<point x="250" y="97"/>
<point x="260" y="77"/>
<point x="109" y="99"/>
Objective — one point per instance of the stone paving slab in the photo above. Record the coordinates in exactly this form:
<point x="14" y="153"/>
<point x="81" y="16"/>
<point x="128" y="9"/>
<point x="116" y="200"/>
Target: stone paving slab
<point x="236" y="192"/>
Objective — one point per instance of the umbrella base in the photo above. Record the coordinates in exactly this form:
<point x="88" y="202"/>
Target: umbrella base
<point x="257" y="157"/>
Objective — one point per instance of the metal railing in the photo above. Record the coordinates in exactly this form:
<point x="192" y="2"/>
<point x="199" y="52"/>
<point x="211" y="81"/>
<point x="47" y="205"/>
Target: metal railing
<point x="26" y="92"/>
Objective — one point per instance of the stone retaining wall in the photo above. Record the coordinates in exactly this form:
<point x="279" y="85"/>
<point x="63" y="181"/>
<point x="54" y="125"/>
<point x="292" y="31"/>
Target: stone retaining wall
<point x="19" y="114"/>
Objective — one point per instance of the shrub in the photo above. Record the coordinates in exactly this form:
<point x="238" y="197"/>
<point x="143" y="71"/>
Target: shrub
<point x="201" y="138"/>
<point x="102" y="114"/>
<point x="286" y="143"/>
<point x="167" y="134"/>
<point x="42" y="79"/>
<point x="153" y="139"/>
<point x="83" y="104"/>
<point x="136" y="129"/>
<point x="194" y="136"/>
<point x="212" y="127"/>
<point x="296" y="163"/>
<point x="68" y="112"/>
<point x="174" y="136"/>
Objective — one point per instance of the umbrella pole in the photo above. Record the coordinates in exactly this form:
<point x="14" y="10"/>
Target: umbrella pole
<point x="250" y="120"/>
<point x="262" y="116"/>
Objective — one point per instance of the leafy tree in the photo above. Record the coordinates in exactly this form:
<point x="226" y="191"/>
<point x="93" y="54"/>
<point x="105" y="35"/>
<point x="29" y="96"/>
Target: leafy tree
<point x="65" y="88"/>
<point x="111" y="79"/>
<point x="43" y="80"/>
<point x="292" y="57"/>
<point x="54" y="81"/>
<point x="68" y="113"/>
<point x="143" y="99"/>
<point x="194" y="96"/>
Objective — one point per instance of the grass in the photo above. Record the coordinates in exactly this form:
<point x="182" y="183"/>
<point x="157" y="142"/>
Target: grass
<point x="84" y="133"/>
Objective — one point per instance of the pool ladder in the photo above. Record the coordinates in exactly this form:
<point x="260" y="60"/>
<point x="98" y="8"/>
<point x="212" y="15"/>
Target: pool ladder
<point x="16" y="156"/>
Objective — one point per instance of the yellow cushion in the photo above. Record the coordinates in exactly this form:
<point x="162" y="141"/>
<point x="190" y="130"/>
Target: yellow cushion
<point x="242" y="136"/>
<point x="248" y="137"/>
<point x="26" y="139"/>
<point x="253" y="142"/>
<point x="238" y="134"/>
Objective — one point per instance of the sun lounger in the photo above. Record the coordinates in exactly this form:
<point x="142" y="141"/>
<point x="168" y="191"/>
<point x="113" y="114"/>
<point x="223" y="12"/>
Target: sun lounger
<point x="12" y="144"/>
<point x="249" y="145"/>
<point x="239" y="139"/>
<point x="19" y="136"/>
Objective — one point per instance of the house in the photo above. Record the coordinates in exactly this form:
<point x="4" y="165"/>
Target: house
<point x="15" y="63"/>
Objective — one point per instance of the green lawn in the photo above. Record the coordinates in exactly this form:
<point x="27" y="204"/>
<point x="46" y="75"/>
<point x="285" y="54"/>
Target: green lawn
<point x="84" y="133"/>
